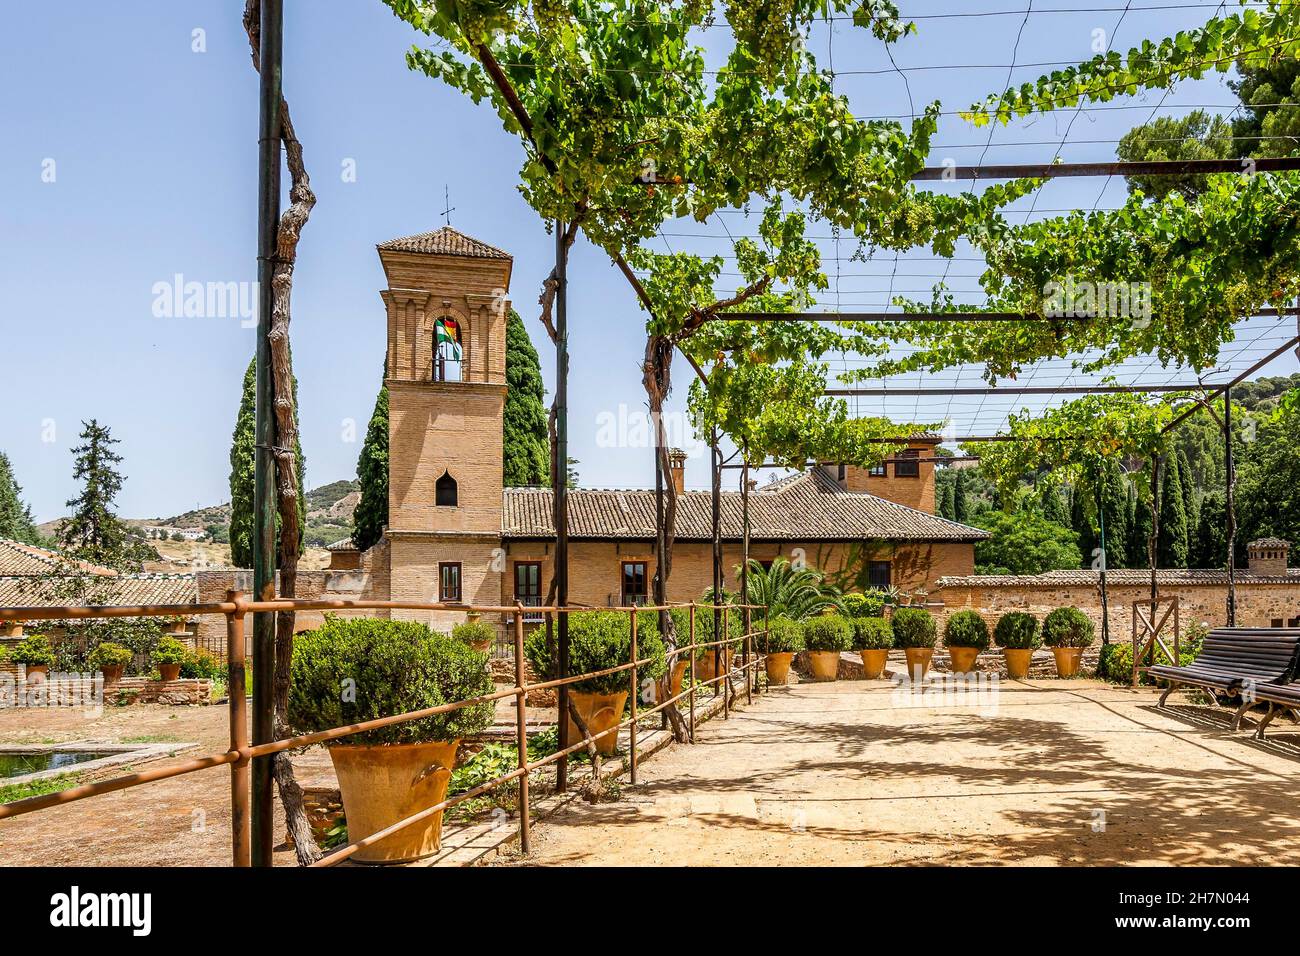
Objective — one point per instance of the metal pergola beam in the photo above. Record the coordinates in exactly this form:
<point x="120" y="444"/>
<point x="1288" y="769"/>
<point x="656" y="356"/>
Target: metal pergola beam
<point x="1011" y="390"/>
<point x="939" y="316"/>
<point x="1177" y="167"/>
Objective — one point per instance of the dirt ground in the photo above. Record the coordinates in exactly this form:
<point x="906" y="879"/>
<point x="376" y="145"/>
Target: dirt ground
<point x="1046" y="772"/>
<point x="1060" y="773"/>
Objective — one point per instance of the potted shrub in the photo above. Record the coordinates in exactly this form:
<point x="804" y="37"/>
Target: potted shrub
<point x="706" y="658"/>
<point x="965" y="634"/>
<point x="825" y="638"/>
<point x="351" y="670"/>
<point x="1017" y="633"/>
<point x="34" y="652"/>
<point x="914" y="632"/>
<point x="867" y="604"/>
<point x="784" y="639"/>
<point x="597" y="641"/>
<point x="168" y="656"/>
<point x="1067" y="631"/>
<point x="110" y="659"/>
<point x="872" y="638"/>
<point x="477" y="634"/>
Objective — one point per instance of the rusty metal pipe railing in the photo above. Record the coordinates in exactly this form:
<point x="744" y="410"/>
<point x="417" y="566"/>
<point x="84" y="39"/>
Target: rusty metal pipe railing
<point x="238" y="757"/>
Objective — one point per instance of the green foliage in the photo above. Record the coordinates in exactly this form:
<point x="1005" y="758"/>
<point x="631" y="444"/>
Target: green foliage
<point x="169" y="651"/>
<point x="1171" y="547"/>
<point x="16" y="521"/>
<point x="1024" y="543"/>
<point x="109" y="654"/>
<point x="783" y="636"/>
<point x="829" y="632"/>
<point x="351" y="670"/>
<point x="474" y="632"/>
<point x="872" y="634"/>
<point x="1017" y="630"/>
<point x="705" y="625"/>
<point x="243" y="455"/>
<point x="371" y="513"/>
<point x="33" y="650"/>
<point x="1067" y="627"/>
<point x="10" y="793"/>
<point x="966" y="629"/>
<point x="526" y="445"/>
<point x="1198" y="135"/>
<point x="913" y="627"/>
<point x="960" y="501"/>
<point x="597" y="641"/>
<point x="865" y="604"/>
<point x="201" y="665"/>
<point x="794" y="592"/>
<point x="1268" y="483"/>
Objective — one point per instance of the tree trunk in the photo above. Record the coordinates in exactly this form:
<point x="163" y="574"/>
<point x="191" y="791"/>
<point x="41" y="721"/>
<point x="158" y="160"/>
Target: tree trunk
<point x="286" y="444"/>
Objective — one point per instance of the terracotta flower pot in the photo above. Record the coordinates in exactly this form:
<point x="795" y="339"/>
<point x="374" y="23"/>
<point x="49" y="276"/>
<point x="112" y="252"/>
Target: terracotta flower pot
<point x="963" y="659"/>
<point x="170" y="672"/>
<point x="383" y="784"/>
<point x="1017" y="659"/>
<point x="675" y="681"/>
<point x="36" y="673"/>
<point x="778" y="667"/>
<point x="1067" y="660"/>
<point x="112" y="673"/>
<point x="825" y="665"/>
<point x="704" y="669"/>
<point x="918" y="661"/>
<point x="599" y="712"/>
<point x="873" y="662"/>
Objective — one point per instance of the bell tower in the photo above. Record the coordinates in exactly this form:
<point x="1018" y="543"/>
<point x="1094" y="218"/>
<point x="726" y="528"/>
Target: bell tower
<point x="447" y="305"/>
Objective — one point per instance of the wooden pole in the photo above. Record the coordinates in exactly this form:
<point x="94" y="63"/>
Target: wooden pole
<point x="241" y="836"/>
<point x="521" y="731"/>
<point x="560" y="483"/>
<point x="1230" y="508"/>
<point x="264" y="507"/>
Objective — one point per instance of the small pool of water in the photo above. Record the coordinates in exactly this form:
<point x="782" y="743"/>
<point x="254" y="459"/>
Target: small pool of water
<point x="16" y="765"/>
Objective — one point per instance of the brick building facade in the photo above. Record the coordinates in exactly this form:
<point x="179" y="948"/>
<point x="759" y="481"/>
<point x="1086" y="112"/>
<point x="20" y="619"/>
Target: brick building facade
<point x="455" y="534"/>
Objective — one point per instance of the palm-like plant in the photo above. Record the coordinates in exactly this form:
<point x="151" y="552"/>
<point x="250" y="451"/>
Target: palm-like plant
<point x="798" y="593"/>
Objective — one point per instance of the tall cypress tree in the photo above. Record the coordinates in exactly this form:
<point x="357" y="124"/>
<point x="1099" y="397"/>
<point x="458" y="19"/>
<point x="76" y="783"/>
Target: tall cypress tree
<point x="1115" y="501"/>
<point x="960" y="504"/>
<point x="1171" y="549"/>
<point x="1081" y="520"/>
<point x="243" y="455"/>
<point x="94" y="532"/>
<point x="372" y="474"/>
<point x="1209" y="546"/>
<point x="526" y="455"/>
<point x="1139" y="534"/>
<point x="946" y="501"/>
<point x="1191" y="497"/>
<point x="1054" y="508"/>
<point x="16" y="521"/>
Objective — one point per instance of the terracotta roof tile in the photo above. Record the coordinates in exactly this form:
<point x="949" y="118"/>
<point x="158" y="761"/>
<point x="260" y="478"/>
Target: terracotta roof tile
<point x="807" y="506"/>
<point x="1126" y="577"/>
<point x="125" y="589"/>
<point x="19" y="558"/>
<point x="445" y="242"/>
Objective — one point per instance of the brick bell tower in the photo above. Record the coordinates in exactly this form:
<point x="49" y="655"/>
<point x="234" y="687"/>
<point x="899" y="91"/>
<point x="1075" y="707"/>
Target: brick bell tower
<point x="447" y="305"/>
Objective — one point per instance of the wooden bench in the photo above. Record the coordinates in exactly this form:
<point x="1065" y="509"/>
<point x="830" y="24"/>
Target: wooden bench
<point x="1233" y="658"/>
<point x="1279" y="697"/>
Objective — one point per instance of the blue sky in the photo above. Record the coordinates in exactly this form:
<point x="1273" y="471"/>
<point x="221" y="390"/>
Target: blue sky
<point x="154" y="151"/>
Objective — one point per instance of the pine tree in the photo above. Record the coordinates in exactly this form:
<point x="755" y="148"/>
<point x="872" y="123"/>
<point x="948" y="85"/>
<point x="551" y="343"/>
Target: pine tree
<point x="16" y="521"/>
<point x="525" y="442"/>
<point x="960" y="504"/>
<point x="372" y="473"/>
<point x="243" y="460"/>
<point x="1171" y="549"/>
<point x="94" y="532"/>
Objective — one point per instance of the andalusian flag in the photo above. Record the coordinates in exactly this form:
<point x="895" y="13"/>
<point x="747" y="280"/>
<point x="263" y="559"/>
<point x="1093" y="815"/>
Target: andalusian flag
<point x="449" y="333"/>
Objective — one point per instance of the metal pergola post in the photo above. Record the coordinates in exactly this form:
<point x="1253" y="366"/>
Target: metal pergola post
<point x="560" y="483"/>
<point x="268" y="217"/>
<point x="1230" y="507"/>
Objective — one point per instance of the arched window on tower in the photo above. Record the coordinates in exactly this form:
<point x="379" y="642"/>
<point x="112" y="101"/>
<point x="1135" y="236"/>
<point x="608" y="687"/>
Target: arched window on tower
<point x="445" y="491"/>
<point x="447" y="351"/>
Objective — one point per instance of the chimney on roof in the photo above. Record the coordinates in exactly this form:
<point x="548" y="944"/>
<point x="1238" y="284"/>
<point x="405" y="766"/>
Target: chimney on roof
<point x="677" y="468"/>
<point x="753" y="483"/>
<point x="1267" y="556"/>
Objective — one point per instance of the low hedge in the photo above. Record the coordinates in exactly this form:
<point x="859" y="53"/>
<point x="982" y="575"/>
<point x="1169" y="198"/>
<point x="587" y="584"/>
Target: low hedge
<point x="598" y="641"/>
<point x="783" y="636"/>
<point x="203" y="666"/>
<point x="868" y="604"/>
<point x="109" y="654"/>
<point x="34" y="651"/>
<point x="1017" y="631"/>
<point x="872" y="634"/>
<point x="829" y="632"/>
<point x="966" y="629"/>
<point x="913" y="627"/>
<point x="355" y="669"/>
<point x="1068" y="627"/>
<point x="704" y="629"/>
